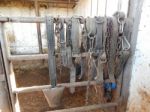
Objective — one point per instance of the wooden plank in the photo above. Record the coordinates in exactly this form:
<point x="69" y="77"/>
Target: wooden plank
<point x="87" y="108"/>
<point x="48" y="1"/>
<point x="57" y="1"/>
<point x="40" y="88"/>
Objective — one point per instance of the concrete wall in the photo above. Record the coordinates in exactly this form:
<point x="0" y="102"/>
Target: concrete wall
<point x="23" y="36"/>
<point x="97" y="7"/>
<point x="139" y="100"/>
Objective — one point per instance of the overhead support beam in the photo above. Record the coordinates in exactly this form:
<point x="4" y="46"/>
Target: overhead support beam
<point x="56" y="3"/>
<point x="48" y="1"/>
<point x="69" y="6"/>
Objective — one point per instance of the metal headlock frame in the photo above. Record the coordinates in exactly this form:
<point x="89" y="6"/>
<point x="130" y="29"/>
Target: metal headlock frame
<point x="8" y="58"/>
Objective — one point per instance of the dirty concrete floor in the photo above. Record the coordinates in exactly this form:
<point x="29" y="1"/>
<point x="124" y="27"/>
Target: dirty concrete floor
<point x="36" y="102"/>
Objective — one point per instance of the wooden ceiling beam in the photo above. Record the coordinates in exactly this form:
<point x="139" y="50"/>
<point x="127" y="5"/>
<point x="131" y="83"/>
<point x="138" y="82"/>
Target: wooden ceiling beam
<point x="51" y="3"/>
<point x="58" y="5"/>
<point x="47" y="1"/>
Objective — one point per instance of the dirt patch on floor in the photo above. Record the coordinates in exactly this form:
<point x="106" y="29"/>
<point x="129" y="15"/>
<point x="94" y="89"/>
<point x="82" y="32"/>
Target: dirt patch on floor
<point x="145" y="100"/>
<point x="36" y="102"/>
<point x="141" y="103"/>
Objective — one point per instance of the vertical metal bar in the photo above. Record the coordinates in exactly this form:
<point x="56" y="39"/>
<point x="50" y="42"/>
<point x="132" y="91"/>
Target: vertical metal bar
<point x="7" y="97"/>
<point x="38" y="27"/>
<point x="97" y="8"/>
<point x="105" y="8"/>
<point x="7" y="65"/>
<point x="51" y="50"/>
<point x="91" y="8"/>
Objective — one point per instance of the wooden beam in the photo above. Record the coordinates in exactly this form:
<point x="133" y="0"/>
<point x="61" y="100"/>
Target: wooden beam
<point x="48" y="1"/>
<point x="40" y="88"/>
<point x="87" y="108"/>
<point x="56" y="1"/>
<point x="49" y="4"/>
<point x="70" y="6"/>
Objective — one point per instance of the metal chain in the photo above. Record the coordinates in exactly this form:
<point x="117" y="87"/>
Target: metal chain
<point x="58" y="27"/>
<point x="57" y="34"/>
<point x="108" y="40"/>
<point x="69" y="26"/>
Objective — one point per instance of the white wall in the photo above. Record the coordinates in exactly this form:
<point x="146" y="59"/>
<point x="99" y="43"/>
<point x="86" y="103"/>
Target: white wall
<point x="97" y="7"/>
<point x="23" y="36"/>
<point x="139" y="100"/>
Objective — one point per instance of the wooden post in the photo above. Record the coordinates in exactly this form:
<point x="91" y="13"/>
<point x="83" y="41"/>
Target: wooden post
<point x="38" y="27"/>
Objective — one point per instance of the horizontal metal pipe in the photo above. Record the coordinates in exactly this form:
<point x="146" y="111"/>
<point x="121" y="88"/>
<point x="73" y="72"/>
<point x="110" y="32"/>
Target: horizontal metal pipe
<point x="23" y="19"/>
<point x="37" y="56"/>
<point x="87" y="108"/>
<point x="40" y="88"/>
<point x="30" y="19"/>
<point x="27" y="57"/>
